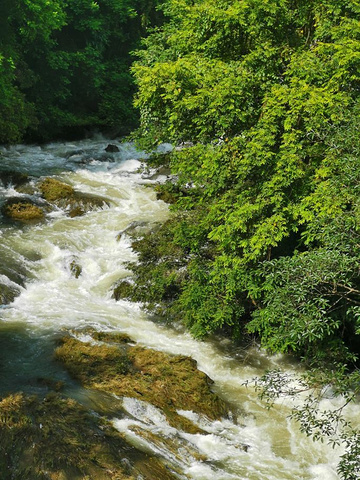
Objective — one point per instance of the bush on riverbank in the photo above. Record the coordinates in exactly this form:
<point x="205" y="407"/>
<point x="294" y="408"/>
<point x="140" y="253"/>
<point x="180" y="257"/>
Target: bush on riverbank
<point x="264" y="102"/>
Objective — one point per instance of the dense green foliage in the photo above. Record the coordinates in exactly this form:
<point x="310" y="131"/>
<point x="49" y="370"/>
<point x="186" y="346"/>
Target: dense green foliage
<point x="267" y="92"/>
<point x="64" y="66"/>
<point x="263" y="98"/>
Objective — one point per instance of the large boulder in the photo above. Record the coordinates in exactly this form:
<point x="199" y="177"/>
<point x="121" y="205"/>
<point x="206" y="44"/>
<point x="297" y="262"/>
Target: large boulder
<point x="64" y="196"/>
<point x="56" y="438"/>
<point x="169" y="382"/>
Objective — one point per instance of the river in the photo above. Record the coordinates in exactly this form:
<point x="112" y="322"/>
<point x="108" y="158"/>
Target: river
<point x="35" y="260"/>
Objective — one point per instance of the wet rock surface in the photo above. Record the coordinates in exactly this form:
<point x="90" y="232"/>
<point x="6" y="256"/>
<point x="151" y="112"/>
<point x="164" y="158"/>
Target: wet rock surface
<point x="111" y="148"/>
<point x="16" y="179"/>
<point x="22" y="209"/>
<point x="169" y="382"/>
<point x="56" y="438"/>
<point x="75" y="268"/>
<point x="8" y="293"/>
<point x="64" y="196"/>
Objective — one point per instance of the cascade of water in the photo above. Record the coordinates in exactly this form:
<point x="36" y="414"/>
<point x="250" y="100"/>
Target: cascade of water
<point x="52" y="299"/>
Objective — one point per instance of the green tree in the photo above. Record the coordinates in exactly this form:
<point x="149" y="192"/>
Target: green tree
<point x="257" y="114"/>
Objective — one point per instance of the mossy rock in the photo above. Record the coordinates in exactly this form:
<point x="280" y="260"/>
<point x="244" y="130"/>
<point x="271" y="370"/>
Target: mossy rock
<point x="75" y="268"/>
<point x="123" y="290"/>
<point x="112" y="337"/>
<point x="22" y="210"/>
<point x="81" y="203"/>
<point x="166" y="196"/>
<point x="168" y="382"/>
<point x="53" y="190"/>
<point x="56" y="438"/>
<point x="8" y="294"/>
<point x="64" y="196"/>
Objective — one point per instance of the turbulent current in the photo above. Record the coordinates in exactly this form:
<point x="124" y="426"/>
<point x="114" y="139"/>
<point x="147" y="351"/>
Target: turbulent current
<point x="36" y="261"/>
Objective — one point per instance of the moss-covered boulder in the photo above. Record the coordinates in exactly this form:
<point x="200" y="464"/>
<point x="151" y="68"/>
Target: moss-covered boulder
<point x="64" y="196"/>
<point x="123" y="290"/>
<point x="53" y="190"/>
<point x="169" y="382"/>
<point x="55" y="438"/>
<point x="22" y="210"/>
<point x="111" y="337"/>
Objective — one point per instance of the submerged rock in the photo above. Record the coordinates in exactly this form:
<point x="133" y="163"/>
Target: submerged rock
<point x="56" y="438"/>
<point x="8" y="294"/>
<point x="13" y="178"/>
<point x="169" y="382"/>
<point x="64" y="196"/>
<point x="14" y="271"/>
<point x="75" y="268"/>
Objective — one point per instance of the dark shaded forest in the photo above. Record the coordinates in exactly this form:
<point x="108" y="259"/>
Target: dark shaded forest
<point x="64" y="67"/>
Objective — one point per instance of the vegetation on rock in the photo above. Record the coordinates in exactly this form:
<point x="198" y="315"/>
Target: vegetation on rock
<point x="167" y="382"/>
<point x="23" y="211"/>
<point x="64" y="196"/>
<point x="53" y="189"/>
<point x="56" y="438"/>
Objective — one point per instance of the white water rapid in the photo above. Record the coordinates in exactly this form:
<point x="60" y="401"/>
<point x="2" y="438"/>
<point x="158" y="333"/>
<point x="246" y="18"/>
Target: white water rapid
<point x="51" y="299"/>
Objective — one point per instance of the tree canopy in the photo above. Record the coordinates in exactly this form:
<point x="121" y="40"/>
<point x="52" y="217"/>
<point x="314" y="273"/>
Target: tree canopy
<point x="267" y="94"/>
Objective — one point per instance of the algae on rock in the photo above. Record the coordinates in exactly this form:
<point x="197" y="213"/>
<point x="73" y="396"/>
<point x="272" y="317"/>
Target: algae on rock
<point x="64" y="196"/>
<point x="169" y="382"/>
<point x="53" y="190"/>
<point x="22" y="210"/>
<point x="56" y="438"/>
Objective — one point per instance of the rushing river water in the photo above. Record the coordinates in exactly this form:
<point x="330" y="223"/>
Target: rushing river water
<point x="36" y="259"/>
